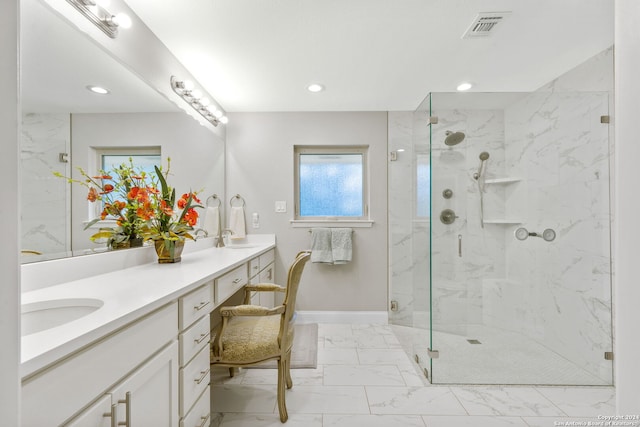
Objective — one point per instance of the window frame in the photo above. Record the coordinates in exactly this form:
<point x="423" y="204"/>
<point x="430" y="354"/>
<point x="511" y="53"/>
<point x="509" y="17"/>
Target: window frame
<point x="95" y="209"/>
<point x="362" y="150"/>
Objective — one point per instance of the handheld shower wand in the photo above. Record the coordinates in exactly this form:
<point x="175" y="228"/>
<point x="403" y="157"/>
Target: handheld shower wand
<point x="479" y="176"/>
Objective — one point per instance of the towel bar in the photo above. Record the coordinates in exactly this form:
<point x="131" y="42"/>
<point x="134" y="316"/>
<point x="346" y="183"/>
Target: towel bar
<point x="239" y="197"/>
<point x="214" y="197"/>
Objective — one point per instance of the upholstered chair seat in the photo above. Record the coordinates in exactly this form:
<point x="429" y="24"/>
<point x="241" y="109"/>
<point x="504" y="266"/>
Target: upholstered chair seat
<point x="251" y="334"/>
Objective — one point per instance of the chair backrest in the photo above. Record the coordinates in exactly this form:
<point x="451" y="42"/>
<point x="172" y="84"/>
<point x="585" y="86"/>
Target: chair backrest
<point x="293" y="281"/>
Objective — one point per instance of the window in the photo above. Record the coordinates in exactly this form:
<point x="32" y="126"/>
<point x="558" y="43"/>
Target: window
<point x="144" y="159"/>
<point x="331" y="182"/>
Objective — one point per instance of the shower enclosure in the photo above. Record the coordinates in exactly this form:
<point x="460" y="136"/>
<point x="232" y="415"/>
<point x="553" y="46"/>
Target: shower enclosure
<point x="500" y="237"/>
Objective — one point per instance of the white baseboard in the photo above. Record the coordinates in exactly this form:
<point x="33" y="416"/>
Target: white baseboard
<point x="375" y="317"/>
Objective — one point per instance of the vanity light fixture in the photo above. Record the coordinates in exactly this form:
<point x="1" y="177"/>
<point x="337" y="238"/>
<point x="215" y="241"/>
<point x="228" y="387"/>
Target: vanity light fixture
<point x="464" y="86"/>
<point x="186" y="90"/>
<point x="94" y="11"/>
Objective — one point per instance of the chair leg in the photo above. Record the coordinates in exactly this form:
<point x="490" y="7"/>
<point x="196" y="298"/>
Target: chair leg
<point x="288" y="370"/>
<point x="282" y="407"/>
<point x="232" y="372"/>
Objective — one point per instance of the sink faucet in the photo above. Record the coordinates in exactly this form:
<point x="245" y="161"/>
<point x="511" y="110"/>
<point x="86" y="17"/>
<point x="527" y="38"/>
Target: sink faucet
<point x="221" y="236"/>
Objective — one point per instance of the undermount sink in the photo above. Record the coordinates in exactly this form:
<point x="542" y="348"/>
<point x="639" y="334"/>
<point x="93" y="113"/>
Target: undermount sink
<point x="42" y="315"/>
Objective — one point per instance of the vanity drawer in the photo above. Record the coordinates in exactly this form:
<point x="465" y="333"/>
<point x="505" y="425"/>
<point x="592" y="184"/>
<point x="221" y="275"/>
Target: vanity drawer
<point x="195" y="305"/>
<point x="194" y="339"/>
<point x="200" y="414"/>
<point x="267" y="258"/>
<point x="194" y="379"/>
<point x="228" y="284"/>
<point x="254" y="266"/>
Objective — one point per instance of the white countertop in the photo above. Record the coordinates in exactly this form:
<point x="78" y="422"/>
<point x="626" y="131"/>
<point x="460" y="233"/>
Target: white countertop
<point x="127" y="295"/>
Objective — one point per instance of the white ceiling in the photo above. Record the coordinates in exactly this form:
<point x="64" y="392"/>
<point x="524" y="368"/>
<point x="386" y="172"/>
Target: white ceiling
<point x="259" y="55"/>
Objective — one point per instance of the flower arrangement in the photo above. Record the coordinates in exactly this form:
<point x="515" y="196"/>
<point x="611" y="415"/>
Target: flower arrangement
<point x="157" y="207"/>
<point x="118" y="203"/>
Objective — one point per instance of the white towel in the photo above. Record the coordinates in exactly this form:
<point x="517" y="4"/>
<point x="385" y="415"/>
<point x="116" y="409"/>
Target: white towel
<point x="341" y="246"/>
<point x="321" y="245"/>
<point x="236" y="223"/>
<point x="212" y="221"/>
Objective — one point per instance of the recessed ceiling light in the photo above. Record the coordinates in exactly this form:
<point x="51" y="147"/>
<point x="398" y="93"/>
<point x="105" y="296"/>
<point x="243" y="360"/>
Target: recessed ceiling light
<point x="99" y="90"/>
<point x="464" y="86"/>
<point x="315" y="87"/>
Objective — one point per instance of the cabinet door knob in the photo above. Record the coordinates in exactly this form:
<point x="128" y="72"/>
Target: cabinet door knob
<point x="237" y="280"/>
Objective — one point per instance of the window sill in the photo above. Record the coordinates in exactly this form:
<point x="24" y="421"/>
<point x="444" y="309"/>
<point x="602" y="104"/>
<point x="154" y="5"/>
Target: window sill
<point x="307" y="223"/>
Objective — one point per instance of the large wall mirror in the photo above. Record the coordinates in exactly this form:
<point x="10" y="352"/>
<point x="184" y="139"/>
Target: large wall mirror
<point x="65" y="125"/>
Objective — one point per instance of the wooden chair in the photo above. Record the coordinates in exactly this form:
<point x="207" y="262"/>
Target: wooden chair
<point x="251" y="334"/>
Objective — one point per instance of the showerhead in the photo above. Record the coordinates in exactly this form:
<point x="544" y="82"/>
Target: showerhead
<point x="484" y="156"/>
<point x="454" y="138"/>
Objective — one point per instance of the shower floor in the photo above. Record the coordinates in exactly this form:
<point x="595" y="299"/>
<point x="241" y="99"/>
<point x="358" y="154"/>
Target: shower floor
<point x="503" y="357"/>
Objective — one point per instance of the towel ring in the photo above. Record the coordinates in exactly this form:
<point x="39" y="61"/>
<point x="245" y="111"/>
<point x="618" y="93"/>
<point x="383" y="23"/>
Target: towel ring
<point x="239" y="197"/>
<point x="214" y="197"/>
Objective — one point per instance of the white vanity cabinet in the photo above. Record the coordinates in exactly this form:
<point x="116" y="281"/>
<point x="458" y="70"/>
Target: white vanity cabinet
<point x="194" y="339"/>
<point x="262" y="270"/>
<point x="56" y="394"/>
<point x="147" y="397"/>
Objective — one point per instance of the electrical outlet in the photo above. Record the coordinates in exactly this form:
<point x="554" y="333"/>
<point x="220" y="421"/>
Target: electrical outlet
<point x="281" y="206"/>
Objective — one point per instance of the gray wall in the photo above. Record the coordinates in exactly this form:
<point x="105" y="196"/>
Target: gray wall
<point x="260" y="168"/>
<point x="9" y="216"/>
<point x="197" y="155"/>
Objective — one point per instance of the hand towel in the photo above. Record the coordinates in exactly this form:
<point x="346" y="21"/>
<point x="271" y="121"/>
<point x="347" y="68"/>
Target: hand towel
<point x="236" y="223"/>
<point x="341" y="245"/>
<point x="212" y="221"/>
<point x="321" y="245"/>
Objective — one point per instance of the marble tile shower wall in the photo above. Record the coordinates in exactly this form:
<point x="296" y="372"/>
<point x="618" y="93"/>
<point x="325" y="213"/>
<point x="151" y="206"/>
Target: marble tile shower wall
<point x="45" y="212"/>
<point x="557" y="144"/>
<point x="464" y="253"/>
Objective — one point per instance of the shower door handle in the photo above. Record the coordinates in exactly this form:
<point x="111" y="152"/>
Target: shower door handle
<point x="460" y="245"/>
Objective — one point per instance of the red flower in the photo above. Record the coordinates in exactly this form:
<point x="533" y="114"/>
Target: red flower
<point x="167" y="210"/>
<point x="103" y="177"/>
<point x="108" y="188"/>
<point x="191" y="217"/>
<point x="93" y="195"/>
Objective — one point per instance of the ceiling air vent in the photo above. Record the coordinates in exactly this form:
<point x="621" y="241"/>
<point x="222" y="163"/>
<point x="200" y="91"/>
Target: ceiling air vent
<point x="485" y="24"/>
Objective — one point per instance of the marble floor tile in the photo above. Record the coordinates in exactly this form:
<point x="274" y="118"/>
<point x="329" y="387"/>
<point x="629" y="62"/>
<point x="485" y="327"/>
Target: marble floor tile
<point x="298" y="376"/>
<point x="337" y="356"/>
<point x="373" y="421"/>
<point x="334" y="330"/>
<point x="507" y="401"/>
<point x="340" y="341"/>
<point x="412" y="375"/>
<point x="413" y="401"/>
<point x="243" y="398"/>
<point x="472" y="421"/>
<point x="270" y="420"/>
<point x="220" y="375"/>
<point x="362" y="375"/>
<point x="327" y="400"/>
<point x="383" y="356"/>
<point x="580" y="402"/>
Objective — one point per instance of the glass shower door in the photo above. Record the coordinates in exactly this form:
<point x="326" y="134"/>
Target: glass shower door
<point x="511" y="308"/>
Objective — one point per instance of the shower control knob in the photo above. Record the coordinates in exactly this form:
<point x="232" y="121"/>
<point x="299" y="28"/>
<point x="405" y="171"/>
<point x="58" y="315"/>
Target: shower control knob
<point x="549" y="235"/>
<point x="448" y="216"/>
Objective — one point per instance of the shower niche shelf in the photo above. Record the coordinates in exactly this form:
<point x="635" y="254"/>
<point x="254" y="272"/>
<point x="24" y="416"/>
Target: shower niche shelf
<point x="504" y="181"/>
<point x="502" y="221"/>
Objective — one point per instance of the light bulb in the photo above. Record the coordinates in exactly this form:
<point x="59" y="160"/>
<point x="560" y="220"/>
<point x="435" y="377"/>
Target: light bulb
<point x="103" y="3"/>
<point x="187" y="85"/>
<point x="224" y="120"/>
<point x="204" y="102"/>
<point x="196" y="94"/>
<point x="464" y="86"/>
<point x="122" y="20"/>
<point x="218" y="114"/>
<point x="315" y="88"/>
